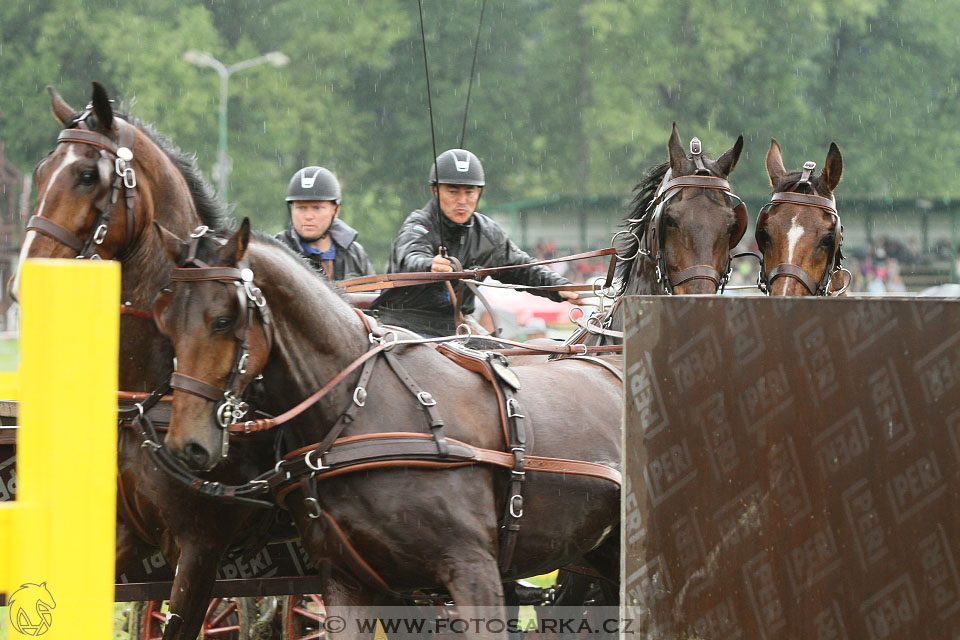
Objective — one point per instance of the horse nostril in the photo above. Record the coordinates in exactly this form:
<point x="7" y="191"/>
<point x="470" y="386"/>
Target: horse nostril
<point x="197" y="456"/>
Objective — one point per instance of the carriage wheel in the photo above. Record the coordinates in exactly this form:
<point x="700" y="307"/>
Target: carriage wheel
<point x="303" y="617"/>
<point x="228" y="618"/>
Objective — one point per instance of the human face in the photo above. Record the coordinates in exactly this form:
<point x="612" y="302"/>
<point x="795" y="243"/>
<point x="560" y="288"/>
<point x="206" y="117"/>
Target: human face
<point x="312" y="218"/>
<point x="458" y="201"/>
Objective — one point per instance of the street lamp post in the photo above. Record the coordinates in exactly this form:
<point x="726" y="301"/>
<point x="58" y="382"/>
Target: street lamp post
<point x="204" y="59"/>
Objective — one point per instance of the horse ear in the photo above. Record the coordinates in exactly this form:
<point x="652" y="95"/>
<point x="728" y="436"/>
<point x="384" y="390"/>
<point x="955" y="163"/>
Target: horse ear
<point x="675" y="152"/>
<point x="160" y="304"/>
<point x="775" y="169"/>
<point x="832" y="168"/>
<point x="728" y="161"/>
<point x="175" y="247"/>
<point x="236" y="246"/>
<point x="63" y="112"/>
<point x="101" y="106"/>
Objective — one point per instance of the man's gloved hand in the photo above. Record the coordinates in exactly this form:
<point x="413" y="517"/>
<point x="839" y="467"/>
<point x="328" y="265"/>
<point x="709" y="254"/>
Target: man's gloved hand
<point x="440" y="265"/>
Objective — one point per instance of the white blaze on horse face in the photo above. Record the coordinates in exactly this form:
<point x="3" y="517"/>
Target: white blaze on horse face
<point x="70" y="158"/>
<point x="24" y="252"/>
<point x="793" y="236"/>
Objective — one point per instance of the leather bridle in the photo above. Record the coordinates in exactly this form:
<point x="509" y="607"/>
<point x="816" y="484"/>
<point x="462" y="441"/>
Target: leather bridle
<point x="116" y="176"/>
<point x="786" y="269"/>
<point x="229" y="405"/>
<point x="651" y="244"/>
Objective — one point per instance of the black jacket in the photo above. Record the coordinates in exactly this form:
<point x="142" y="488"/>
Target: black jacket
<point x="351" y="260"/>
<point x="480" y="242"/>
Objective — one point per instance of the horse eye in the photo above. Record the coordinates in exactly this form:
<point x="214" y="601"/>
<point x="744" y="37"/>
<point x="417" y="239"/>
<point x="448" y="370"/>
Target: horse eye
<point x="827" y="242"/>
<point x="88" y="177"/>
<point x="222" y="323"/>
<point x="670" y="221"/>
<point x="762" y="236"/>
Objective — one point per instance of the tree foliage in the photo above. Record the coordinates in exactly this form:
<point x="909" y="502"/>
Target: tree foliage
<point x="572" y="97"/>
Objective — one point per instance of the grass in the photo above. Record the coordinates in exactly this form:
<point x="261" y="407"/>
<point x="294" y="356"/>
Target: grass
<point x="9" y="354"/>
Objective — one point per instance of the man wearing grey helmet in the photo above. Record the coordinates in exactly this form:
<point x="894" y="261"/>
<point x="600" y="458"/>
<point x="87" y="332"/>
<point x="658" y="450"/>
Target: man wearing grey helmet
<point x="456" y="180"/>
<point x="316" y="232"/>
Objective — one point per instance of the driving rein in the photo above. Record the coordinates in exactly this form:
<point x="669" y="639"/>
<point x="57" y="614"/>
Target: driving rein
<point x="786" y="269"/>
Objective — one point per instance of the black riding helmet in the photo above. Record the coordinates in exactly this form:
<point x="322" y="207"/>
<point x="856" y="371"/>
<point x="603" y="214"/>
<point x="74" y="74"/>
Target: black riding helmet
<point x="457" y="166"/>
<point x="314" y="183"/>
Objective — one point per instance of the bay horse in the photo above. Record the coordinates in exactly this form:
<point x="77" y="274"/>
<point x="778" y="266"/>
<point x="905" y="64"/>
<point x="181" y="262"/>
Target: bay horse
<point x="99" y="194"/>
<point x="392" y="526"/>
<point x="799" y="233"/>
<point x="678" y="236"/>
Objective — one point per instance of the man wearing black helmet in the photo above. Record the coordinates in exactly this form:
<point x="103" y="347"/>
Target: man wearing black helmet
<point x="316" y="232"/>
<point x="456" y="180"/>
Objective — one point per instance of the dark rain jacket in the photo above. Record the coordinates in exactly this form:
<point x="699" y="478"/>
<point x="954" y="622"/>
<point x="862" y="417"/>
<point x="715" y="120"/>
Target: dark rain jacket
<point x="481" y="242"/>
<point x="351" y="260"/>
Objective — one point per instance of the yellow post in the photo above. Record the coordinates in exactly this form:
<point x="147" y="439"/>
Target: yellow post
<point x="57" y="538"/>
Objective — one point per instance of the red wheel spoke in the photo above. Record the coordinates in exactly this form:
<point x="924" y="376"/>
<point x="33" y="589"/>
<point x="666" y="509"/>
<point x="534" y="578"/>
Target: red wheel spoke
<point x="220" y="631"/>
<point x="215" y="620"/>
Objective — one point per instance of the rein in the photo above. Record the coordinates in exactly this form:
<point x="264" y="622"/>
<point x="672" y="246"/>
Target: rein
<point x="409" y="279"/>
<point x="650" y="244"/>
<point x="786" y="269"/>
<point x="113" y="163"/>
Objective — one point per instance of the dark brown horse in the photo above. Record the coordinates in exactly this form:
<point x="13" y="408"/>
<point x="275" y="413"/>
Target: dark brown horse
<point x="414" y="526"/>
<point x="100" y="193"/>
<point x="799" y="232"/>
<point x="678" y="236"/>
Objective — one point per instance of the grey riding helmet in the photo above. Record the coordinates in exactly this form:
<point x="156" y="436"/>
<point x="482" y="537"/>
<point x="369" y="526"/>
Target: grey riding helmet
<point x="314" y="183"/>
<point x="457" y="166"/>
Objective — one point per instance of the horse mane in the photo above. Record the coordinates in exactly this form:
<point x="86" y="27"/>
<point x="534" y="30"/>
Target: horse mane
<point x="210" y="208"/>
<point x="636" y="221"/>
<point x="209" y="244"/>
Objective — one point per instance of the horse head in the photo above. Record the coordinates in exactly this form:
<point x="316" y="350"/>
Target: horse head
<point x="799" y="232"/>
<point x="219" y="326"/>
<point x="101" y="186"/>
<point x="684" y="223"/>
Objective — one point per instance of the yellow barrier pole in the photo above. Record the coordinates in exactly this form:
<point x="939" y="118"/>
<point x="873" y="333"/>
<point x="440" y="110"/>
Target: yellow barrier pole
<point x="59" y="565"/>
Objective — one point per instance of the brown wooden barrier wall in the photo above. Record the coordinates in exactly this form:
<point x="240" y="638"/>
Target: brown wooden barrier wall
<point x="792" y="467"/>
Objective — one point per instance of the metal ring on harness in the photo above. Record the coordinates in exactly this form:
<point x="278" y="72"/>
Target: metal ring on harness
<point x="635" y="237"/>
<point x="319" y="466"/>
<point x="602" y="292"/>
<point x="846" y="282"/>
<point x="571" y="311"/>
<point x="313" y="507"/>
<point x="516" y="506"/>
<point x="596" y="320"/>
<point x="100" y="234"/>
<point x="360" y="396"/>
<point x="467" y="331"/>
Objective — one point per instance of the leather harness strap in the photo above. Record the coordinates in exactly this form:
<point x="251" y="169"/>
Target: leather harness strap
<point x="374" y="451"/>
<point x="113" y="163"/>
